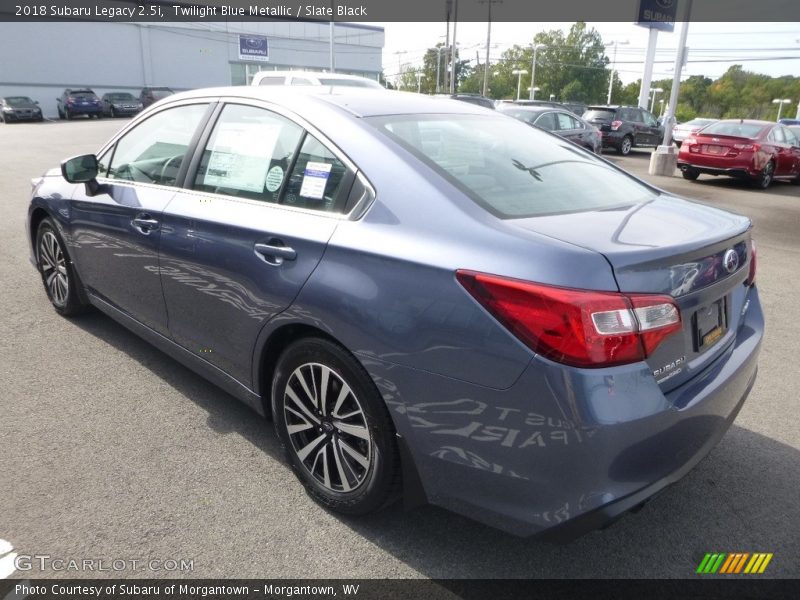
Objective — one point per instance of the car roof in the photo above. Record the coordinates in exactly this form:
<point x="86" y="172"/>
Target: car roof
<point x="359" y="102"/>
<point x="531" y="108"/>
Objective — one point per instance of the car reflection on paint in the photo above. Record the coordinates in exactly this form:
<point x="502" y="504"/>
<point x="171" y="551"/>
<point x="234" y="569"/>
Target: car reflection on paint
<point x="433" y="302"/>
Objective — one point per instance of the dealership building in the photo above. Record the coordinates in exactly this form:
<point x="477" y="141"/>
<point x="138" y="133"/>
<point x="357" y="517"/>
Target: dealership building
<point x="125" y="57"/>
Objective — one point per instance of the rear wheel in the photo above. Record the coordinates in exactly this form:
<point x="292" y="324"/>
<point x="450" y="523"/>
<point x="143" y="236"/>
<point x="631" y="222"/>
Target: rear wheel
<point x="334" y="427"/>
<point x="60" y="282"/>
<point x="690" y="174"/>
<point x="765" y="179"/>
<point x="67" y="114"/>
<point x="625" y="145"/>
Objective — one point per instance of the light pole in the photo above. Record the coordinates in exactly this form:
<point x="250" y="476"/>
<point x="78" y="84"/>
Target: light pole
<point x="780" y="102"/>
<point x="519" y="73"/>
<point x="534" y="89"/>
<point x="419" y="83"/>
<point x="661" y="112"/>
<point x="615" y="43"/>
<point x="399" y="66"/>
<point x="655" y="91"/>
<point x="488" y="42"/>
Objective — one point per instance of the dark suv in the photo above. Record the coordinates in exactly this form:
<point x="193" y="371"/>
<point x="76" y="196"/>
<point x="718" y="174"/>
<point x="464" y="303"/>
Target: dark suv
<point x="149" y="95"/>
<point x="74" y="102"/>
<point x="625" y="127"/>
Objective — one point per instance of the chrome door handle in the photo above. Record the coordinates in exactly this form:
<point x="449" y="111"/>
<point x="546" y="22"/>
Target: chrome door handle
<point x="275" y="252"/>
<point x="145" y="224"/>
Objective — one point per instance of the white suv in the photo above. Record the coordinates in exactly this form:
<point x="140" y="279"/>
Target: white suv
<point x="312" y="78"/>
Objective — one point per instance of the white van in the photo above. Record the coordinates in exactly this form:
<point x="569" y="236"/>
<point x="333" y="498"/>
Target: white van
<point x="312" y="78"/>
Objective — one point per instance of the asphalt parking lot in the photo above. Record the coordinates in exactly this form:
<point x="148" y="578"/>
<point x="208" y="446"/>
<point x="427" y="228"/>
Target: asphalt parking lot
<point x="109" y="449"/>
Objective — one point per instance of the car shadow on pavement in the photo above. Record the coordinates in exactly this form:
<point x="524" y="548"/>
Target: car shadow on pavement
<point x="779" y="188"/>
<point x="742" y="498"/>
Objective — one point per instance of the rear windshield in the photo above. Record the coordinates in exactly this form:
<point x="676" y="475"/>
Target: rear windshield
<point x="735" y="128"/>
<point x="349" y="82"/>
<point x="82" y="94"/>
<point x="529" y="116"/>
<point x="510" y="169"/>
<point x="161" y="93"/>
<point x="18" y="100"/>
<point x="606" y="115"/>
<point x="698" y="122"/>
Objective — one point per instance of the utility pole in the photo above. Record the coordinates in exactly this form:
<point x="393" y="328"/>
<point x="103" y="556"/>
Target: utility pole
<point x="448" y="7"/>
<point x="533" y="69"/>
<point x="453" y="58"/>
<point x="488" y="42"/>
<point x="615" y="43"/>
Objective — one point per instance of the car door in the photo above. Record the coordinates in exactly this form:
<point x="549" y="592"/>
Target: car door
<point x="237" y="248"/>
<point x="794" y="151"/>
<point x="783" y="151"/>
<point x="547" y="121"/>
<point x="116" y="231"/>
<point x="640" y="133"/>
<point x="567" y="128"/>
<point x="654" y="131"/>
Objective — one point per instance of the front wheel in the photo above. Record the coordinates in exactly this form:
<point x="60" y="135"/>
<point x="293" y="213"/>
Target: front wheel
<point x="626" y="145"/>
<point x="334" y="428"/>
<point x="60" y="282"/>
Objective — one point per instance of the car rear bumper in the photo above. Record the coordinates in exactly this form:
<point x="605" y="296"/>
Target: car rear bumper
<point x="739" y="172"/>
<point x="21" y="117"/>
<point x="85" y="110"/>
<point x="564" y="451"/>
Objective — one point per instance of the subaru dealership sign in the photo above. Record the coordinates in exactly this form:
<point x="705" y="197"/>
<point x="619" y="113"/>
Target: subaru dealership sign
<point x="658" y="14"/>
<point x="253" y="47"/>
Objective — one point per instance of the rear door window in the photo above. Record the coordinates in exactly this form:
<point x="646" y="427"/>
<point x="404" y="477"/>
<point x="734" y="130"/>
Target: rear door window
<point x="248" y="154"/>
<point x="547" y="121"/>
<point x="565" y="122"/>
<point x="318" y="179"/>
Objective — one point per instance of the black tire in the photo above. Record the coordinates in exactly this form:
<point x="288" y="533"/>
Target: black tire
<point x="691" y="174"/>
<point x="625" y="146"/>
<point x="359" y="422"/>
<point x="67" y="114"/>
<point x="767" y="175"/>
<point x="678" y="144"/>
<point x="60" y="113"/>
<point x="113" y="113"/>
<point x="62" y="288"/>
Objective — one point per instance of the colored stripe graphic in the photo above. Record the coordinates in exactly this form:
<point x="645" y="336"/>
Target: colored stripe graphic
<point x="734" y="563"/>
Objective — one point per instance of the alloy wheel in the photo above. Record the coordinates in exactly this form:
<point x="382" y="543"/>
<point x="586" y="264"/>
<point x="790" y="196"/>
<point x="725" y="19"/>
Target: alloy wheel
<point x="626" y="145"/>
<point x="54" y="268"/>
<point x="327" y="427"/>
<point x="766" y="175"/>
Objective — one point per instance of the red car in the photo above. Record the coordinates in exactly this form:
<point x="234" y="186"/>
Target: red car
<point x="758" y="151"/>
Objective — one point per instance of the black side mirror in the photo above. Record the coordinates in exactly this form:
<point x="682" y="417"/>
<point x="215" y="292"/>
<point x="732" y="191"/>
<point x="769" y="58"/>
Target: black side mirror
<point x="80" y="169"/>
<point x="83" y="169"/>
<point x="36" y="102"/>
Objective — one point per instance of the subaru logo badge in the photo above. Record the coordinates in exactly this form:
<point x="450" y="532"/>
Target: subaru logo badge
<point x="730" y="261"/>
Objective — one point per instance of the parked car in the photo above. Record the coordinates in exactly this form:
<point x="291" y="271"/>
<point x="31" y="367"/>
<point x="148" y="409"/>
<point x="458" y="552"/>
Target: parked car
<point x="577" y="108"/>
<point x="120" y="104"/>
<point x="476" y="99"/>
<point x="625" y="127"/>
<point x="19" y="108"/>
<point x="303" y="78"/>
<point x="789" y="121"/>
<point x="682" y="130"/>
<point x="795" y="129"/>
<point x="431" y="300"/>
<point x="758" y="151"/>
<point x="559" y="121"/>
<point x="75" y="102"/>
<point x="150" y="95"/>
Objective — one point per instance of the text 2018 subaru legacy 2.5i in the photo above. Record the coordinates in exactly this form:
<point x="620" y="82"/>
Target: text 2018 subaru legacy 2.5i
<point x="431" y="300"/>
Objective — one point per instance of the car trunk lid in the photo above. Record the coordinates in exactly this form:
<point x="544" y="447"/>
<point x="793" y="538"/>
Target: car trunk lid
<point x="694" y="253"/>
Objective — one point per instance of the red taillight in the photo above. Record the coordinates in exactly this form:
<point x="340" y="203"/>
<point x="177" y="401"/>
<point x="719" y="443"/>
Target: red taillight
<point x="615" y="125"/>
<point x="581" y="328"/>
<point x="751" y="275"/>
<point x="751" y="147"/>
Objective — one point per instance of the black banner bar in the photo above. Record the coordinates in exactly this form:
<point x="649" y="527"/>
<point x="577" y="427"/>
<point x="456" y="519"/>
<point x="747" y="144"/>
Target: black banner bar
<point x="365" y="11"/>
<point x="733" y="588"/>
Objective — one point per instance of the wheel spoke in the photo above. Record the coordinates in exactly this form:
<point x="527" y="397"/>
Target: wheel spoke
<point x="342" y="475"/>
<point x="303" y="408"/>
<point x="323" y="391"/>
<point x="311" y="395"/>
<point x="343" y="394"/>
<point x="358" y="431"/>
<point x="326" y="476"/>
<point x="354" y="454"/>
<point x="309" y="448"/>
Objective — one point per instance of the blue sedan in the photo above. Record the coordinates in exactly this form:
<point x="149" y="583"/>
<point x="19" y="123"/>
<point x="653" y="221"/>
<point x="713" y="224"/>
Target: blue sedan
<point x="433" y="302"/>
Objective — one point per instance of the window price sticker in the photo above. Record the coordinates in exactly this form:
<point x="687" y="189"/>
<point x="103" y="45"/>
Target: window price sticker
<point x="315" y="178"/>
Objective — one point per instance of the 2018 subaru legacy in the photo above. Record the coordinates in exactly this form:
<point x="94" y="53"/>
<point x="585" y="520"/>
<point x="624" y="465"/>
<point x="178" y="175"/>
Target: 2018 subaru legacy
<point x="429" y="300"/>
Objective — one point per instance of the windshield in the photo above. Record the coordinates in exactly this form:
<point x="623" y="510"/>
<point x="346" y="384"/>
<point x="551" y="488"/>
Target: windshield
<point x="734" y="128"/>
<point x="18" y="100"/>
<point x="697" y="123"/>
<point x="510" y="169"/>
<point x="120" y="96"/>
<point x="599" y="115"/>
<point x="349" y="82"/>
<point x="529" y="116"/>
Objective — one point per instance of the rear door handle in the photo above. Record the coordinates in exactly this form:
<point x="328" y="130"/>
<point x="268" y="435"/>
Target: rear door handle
<point x="145" y="223"/>
<point x="275" y="252"/>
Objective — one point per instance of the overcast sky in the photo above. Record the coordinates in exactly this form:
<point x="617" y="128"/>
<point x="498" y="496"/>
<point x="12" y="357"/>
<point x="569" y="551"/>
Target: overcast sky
<point x="748" y="44"/>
